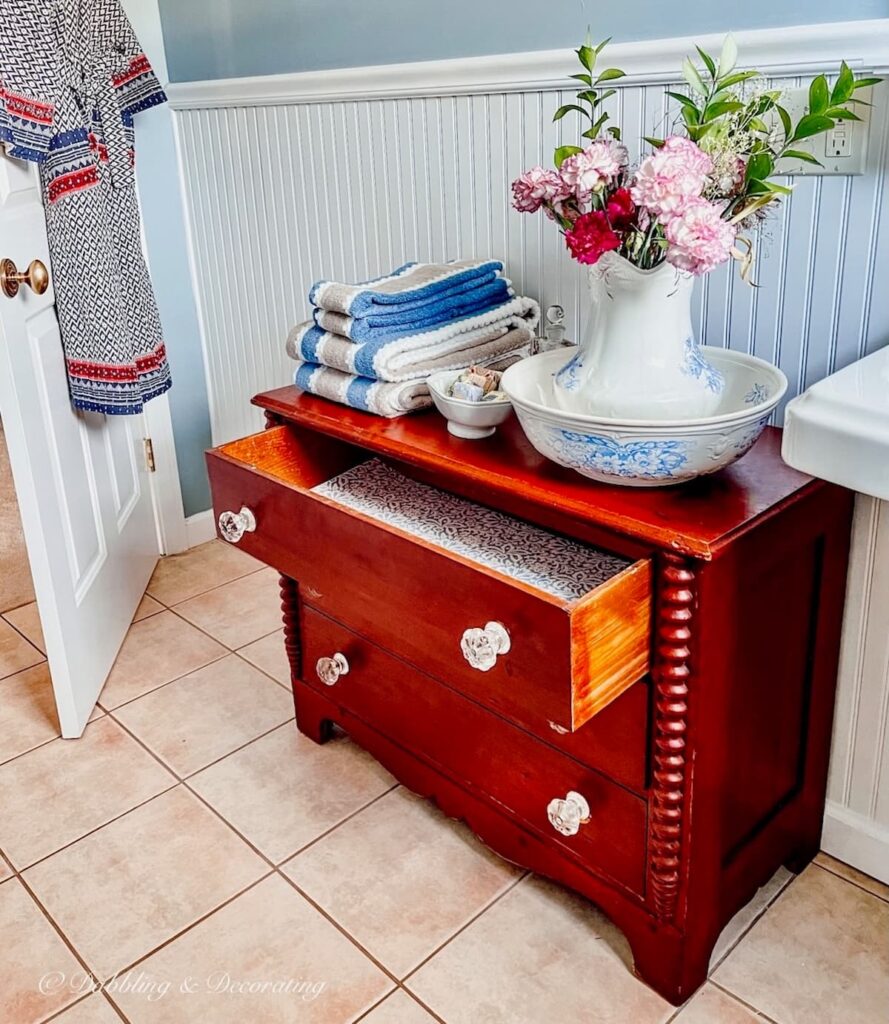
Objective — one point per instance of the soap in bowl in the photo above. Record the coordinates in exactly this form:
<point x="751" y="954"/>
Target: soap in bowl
<point x="466" y="419"/>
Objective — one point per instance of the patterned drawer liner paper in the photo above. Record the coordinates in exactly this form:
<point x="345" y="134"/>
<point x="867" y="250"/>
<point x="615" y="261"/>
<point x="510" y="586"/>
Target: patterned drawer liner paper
<point x="558" y="566"/>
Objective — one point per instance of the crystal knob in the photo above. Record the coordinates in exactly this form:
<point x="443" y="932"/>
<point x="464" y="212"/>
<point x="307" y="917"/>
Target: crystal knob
<point x="480" y="647"/>
<point x="329" y="670"/>
<point x="566" y="816"/>
<point x="233" y="525"/>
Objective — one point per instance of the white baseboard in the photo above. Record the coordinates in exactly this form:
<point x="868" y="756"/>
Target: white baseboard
<point x="856" y="839"/>
<point x="200" y="527"/>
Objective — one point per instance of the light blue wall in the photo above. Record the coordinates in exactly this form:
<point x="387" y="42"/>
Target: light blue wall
<point x="232" y="38"/>
<point x="165" y="236"/>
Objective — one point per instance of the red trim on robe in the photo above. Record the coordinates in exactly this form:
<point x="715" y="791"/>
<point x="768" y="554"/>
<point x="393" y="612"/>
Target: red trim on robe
<point x="113" y="372"/>
<point x="27" y="107"/>
<point x="73" y="181"/>
<point x="139" y="65"/>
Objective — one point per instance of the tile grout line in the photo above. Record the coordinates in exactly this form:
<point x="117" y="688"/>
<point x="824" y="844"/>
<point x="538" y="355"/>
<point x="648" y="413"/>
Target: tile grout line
<point x="58" y="929"/>
<point x="522" y="876"/>
<point x="201" y="593"/>
<point x="333" y="828"/>
<point x="410" y="995"/>
<point x="92" y="831"/>
<point x="756" y="919"/>
<point x="189" y="927"/>
<point x="759" y="1013"/>
<point x="852" y="881"/>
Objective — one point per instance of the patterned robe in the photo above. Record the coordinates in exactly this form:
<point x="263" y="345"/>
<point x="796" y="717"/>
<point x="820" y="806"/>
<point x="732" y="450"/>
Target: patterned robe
<point x="72" y="75"/>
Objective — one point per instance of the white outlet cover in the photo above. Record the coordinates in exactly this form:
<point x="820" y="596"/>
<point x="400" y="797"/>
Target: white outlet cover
<point x="795" y="101"/>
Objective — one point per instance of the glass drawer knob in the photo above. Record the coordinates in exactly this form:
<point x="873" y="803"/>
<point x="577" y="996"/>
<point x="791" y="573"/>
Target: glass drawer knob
<point x="329" y="670"/>
<point x="233" y="525"/>
<point x="481" y="647"/>
<point x="566" y="816"/>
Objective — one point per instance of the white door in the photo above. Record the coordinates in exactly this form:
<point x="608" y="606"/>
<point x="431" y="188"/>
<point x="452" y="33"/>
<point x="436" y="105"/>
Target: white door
<point x="80" y="478"/>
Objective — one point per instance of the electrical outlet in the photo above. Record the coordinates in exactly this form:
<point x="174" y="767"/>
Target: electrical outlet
<point x="838" y="142"/>
<point x="842" y="150"/>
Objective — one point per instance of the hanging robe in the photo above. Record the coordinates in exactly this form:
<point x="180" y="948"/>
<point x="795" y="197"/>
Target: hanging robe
<point x="72" y="75"/>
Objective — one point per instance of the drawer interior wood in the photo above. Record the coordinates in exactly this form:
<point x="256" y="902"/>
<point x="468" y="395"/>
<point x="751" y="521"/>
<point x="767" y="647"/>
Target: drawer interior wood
<point x="568" y="657"/>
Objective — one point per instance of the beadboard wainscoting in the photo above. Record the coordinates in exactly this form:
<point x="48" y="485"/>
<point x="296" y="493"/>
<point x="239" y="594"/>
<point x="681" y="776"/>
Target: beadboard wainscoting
<point x="345" y="174"/>
<point x="856" y="822"/>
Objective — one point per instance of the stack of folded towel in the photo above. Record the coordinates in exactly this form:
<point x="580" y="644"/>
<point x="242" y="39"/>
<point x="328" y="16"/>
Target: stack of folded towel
<point x="373" y="345"/>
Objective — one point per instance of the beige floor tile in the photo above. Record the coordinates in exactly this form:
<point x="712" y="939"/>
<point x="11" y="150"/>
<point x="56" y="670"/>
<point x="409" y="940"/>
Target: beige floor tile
<point x="270" y="935"/>
<point x="27" y="711"/>
<point x="207" y="714"/>
<point x="15" y="651"/>
<point x="269" y="655"/>
<point x="93" y="1010"/>
<point x="57" y="793"/>
<point x="239" y="612"/>
<point x="539" y="954"/>
<point x="283" y="790"/>
<point x="147" y="607"/>
<point x="853" y="875"/>
<point x="5" y="870"/>
<point x="123" y="890"/>
<point x="749" y="913"/>
<point x="398" y="1008"/>
<point x="815" y="957"/>
<point x="156" y="650"/>
<point x="27" y="621"/>
<point x="400" y="878"/>
<point x="712" y="1006"/>
<point x="32" y="950"/>
<point x="179" y="577"/>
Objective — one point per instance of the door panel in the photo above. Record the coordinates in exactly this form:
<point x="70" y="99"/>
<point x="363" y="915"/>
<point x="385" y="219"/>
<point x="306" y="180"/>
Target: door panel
<point x="80" y="478"/>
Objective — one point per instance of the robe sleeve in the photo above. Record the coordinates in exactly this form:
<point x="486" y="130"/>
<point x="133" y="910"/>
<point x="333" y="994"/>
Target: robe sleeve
<point x="30" y="79"/>
<point x="136" y="85"/>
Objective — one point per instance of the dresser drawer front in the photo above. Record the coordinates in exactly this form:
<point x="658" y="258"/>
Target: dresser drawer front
<point x="476" y="748"/>
<point x="543" y="661"/>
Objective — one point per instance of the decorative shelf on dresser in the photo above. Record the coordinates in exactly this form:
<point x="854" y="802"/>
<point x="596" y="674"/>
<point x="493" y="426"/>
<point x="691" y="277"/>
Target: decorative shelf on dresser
<point x="633" y="696"/>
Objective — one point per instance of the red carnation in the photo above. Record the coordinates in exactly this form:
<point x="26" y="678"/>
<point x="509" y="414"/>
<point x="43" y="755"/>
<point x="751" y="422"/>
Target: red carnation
<point x="621" y="209"/>
<point x="590" y="237"/>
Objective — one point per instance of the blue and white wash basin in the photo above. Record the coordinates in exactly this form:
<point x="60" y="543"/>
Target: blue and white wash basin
<point x="647" y="453"/>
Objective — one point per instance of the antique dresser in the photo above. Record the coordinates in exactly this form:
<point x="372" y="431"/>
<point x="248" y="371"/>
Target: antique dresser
<point x="627" y="690"/>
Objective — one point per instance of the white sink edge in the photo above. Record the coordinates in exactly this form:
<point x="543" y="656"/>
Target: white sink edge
<point x="838" y="429"/>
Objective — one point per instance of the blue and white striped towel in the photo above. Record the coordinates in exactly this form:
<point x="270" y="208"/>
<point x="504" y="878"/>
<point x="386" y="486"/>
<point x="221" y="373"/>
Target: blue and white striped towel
<point x="387" y="322"/>
<point x="473" y="339"/>
<point x="410" y="286"/>
<point x="380" y="397"/>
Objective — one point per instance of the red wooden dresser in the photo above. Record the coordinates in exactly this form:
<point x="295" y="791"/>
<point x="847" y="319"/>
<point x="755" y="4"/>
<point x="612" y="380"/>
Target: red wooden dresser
<point x="659" y="744"/>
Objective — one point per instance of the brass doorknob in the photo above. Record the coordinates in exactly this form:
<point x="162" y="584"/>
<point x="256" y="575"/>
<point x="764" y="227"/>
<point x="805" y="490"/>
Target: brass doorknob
<point x="36" y="277"/>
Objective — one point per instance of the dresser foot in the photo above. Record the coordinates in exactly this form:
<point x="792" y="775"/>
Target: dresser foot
<point x="311" y="717"/>
<point x="799" y="861"/>
<point x="670" y="963"/>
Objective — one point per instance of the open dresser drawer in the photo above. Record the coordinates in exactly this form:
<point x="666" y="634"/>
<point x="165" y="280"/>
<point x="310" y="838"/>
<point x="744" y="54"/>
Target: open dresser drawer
<point x="546" y="645"/>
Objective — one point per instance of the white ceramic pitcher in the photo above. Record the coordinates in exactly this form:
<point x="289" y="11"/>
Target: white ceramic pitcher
<point x="639" y="360"/>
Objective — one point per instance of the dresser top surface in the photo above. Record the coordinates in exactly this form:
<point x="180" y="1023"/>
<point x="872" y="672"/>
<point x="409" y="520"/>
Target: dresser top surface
<point x="696" y="518"/>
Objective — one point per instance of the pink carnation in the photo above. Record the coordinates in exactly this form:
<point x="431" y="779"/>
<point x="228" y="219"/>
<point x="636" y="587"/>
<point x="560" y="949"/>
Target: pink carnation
<point x="596" y="166"/>
<point x="670" y="174"/>
<point x="699" y="239"/>
<point x="536" y="187"/>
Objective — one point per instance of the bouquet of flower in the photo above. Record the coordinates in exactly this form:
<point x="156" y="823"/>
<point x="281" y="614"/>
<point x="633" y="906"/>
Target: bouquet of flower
<point x="690" y="198"/>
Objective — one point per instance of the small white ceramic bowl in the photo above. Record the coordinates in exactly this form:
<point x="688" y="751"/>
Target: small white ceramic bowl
<point x="466" y="419"/>
<point x="646" y="453"/>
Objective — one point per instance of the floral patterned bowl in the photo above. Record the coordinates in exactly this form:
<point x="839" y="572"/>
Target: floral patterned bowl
<point x="646" y="453"/>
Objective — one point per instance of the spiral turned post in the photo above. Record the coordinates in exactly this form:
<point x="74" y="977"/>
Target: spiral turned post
<point x="290" y="613"/>
<point x="670" y="674"/>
